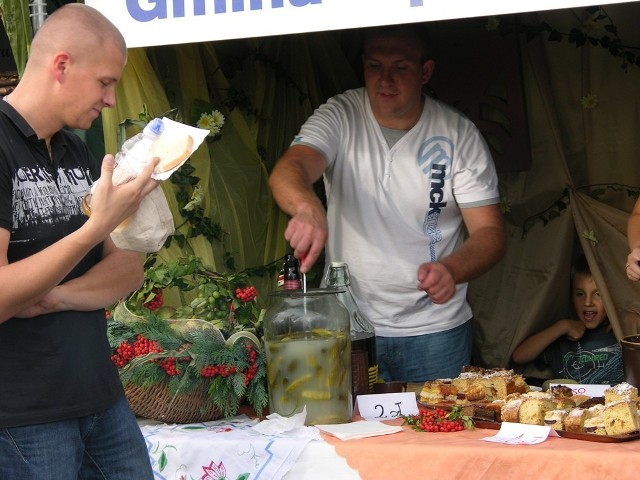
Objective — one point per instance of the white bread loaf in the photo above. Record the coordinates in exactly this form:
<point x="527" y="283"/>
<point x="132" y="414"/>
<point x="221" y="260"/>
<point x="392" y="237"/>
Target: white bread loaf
<point x="171" y="151"/>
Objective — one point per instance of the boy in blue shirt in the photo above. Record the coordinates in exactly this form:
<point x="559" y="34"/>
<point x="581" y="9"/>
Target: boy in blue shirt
<point x="583" y="349"/>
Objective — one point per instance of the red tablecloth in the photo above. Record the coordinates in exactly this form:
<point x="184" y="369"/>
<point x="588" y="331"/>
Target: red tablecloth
<point x="462" y="455"/>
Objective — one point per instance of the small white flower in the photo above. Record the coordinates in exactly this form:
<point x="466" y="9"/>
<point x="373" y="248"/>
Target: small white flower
<point x="195" y="200"/>
<point x="211" y="121"/>
<point x="592" y="28"/>
<point x="217" y="118"/>
<point x="589" y="101"/>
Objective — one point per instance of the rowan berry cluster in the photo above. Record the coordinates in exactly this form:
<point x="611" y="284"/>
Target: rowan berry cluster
<point x="123" y="354"/>
<point x="226" y="370"/>
<point x="156" y="302"/>
<point x="143" y="346"/>
<point x="126" y="351"/>
<point x="436" y="420"/>
<point x="246" y="294"/>
<point x="213" y="370"/>
<point x="171" y="366"/>
<point x="253" y="368"/>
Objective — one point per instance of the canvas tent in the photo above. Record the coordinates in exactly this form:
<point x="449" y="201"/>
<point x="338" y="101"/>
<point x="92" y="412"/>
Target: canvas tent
<point x="581" y="110"/>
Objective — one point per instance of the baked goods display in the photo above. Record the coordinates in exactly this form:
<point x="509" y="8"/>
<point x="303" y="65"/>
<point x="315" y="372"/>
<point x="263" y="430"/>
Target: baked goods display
<point x="499" y="395"/>
<point x="474" y="385"/>
<point x="480" y="391"/>
<point x="616" y="415"/>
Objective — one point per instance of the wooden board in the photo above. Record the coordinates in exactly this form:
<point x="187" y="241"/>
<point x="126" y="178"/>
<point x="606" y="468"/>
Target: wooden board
<point x="480" y="420"/>
<point x="592" y="437"/>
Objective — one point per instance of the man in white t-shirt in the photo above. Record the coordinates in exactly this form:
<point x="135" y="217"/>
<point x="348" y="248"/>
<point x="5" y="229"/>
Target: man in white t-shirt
<point x="406" y="176"/>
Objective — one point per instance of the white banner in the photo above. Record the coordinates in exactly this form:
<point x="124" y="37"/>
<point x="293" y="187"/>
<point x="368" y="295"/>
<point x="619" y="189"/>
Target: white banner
<point x="163" y="22"/>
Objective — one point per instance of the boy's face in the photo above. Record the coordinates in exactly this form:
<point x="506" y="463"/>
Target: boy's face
<point x="587" y="301"/>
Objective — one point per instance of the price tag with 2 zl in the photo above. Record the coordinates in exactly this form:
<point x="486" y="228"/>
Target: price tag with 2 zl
<point x="386" y="405"/>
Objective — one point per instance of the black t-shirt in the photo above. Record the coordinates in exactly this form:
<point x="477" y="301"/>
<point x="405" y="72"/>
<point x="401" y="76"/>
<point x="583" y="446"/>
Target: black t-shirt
<point x="594" y="359"/>
<point x="54" y="366"/>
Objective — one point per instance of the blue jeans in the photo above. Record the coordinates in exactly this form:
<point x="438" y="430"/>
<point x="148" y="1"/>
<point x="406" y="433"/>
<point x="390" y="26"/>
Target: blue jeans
<point x="103" y="446"/>
<point x="424" y="357"/>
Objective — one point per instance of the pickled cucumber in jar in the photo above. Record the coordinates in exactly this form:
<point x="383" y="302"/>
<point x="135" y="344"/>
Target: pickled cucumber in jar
<point x="312" y="369"/>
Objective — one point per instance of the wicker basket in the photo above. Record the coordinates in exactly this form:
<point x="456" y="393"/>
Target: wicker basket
<point x="155" y="402"/>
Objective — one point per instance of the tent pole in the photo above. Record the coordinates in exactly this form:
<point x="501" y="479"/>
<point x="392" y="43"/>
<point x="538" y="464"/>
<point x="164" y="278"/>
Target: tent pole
<point x="38" y="14"/>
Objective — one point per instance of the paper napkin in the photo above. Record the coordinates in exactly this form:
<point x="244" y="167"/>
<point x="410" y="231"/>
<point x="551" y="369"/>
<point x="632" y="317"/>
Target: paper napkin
<point x="276" y="424"/>
<point x="521" y="434"/>
<point x="360" y="429"/>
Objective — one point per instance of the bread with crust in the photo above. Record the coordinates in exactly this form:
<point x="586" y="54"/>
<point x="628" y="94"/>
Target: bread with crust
<point x="171" y="151"/>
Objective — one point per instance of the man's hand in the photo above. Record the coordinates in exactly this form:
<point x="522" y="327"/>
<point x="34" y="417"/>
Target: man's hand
<point x="307" y="233"/>
<point x="633" y="265"/>
<point x="436" y="279"/>
<point x="110" y="204"/>
<point x="291" y="183"/>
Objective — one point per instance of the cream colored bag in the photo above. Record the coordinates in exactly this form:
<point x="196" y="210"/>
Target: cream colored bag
<point x="147" y="229"/>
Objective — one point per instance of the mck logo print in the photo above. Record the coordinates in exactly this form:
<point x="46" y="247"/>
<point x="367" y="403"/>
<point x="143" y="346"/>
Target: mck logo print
<point x="434" y="159"/>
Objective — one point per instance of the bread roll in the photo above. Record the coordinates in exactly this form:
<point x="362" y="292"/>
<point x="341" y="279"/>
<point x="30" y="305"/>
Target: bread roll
<point x="171" y="151"/>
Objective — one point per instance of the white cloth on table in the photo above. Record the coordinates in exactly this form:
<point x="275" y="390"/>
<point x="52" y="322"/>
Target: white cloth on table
<point x="228" y="448"/>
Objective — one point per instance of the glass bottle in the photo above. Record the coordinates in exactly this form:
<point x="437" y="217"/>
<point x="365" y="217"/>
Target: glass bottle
<point x="290" y="278"/>
<point x="135" y="153"/>
<point x="308" y="355"/>
<point x="363" y="336"/>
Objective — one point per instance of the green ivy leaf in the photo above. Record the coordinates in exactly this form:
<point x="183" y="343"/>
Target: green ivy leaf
<point x="554" y="36"/>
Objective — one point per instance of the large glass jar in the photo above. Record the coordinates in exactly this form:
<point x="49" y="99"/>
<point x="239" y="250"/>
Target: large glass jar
<point x="308" y="353"/>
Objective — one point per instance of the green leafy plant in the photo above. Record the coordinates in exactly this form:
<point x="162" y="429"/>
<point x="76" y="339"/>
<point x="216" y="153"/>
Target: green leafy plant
<point x="598" y="29"/>
<point x="554" y="210"/>
<point x="227" y="301"/>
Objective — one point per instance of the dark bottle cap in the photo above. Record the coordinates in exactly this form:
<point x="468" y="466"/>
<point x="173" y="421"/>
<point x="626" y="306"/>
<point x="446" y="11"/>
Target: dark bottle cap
<point x="291" y="273"/>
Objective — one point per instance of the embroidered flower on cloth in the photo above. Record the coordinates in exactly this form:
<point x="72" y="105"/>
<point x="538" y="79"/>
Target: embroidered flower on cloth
<point x="214" y="472"/>
<point x="211" y="121"/>
<point x="589" y="101"/>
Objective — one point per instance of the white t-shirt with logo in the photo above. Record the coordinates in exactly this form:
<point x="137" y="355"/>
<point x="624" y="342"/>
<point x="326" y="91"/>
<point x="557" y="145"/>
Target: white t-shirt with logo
<point x="391" y="209"/>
